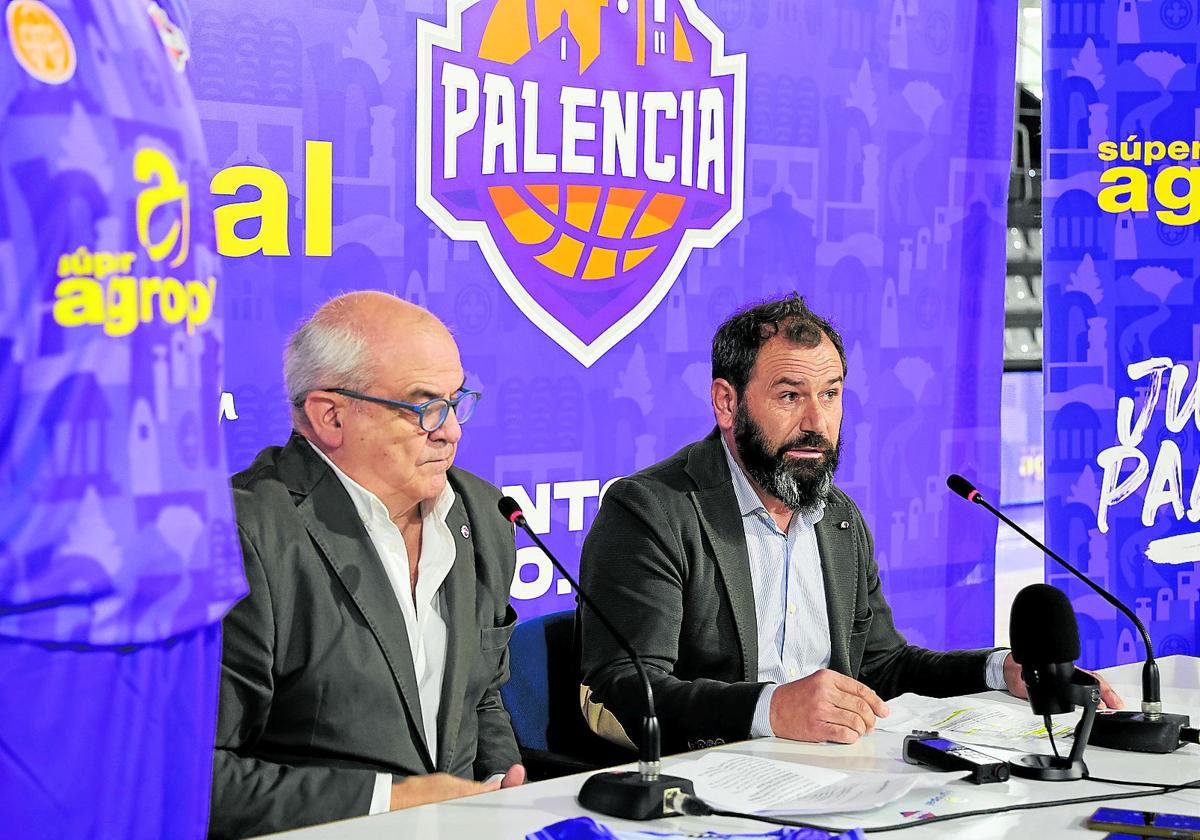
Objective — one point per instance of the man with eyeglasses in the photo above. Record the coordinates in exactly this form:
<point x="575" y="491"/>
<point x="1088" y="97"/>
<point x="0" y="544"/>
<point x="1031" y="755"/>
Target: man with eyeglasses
<point x="362" y="672"/>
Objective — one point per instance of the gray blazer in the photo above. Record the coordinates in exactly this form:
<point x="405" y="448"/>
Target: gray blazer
<point x="318" y="692"/>
<point x="666" y="560"/>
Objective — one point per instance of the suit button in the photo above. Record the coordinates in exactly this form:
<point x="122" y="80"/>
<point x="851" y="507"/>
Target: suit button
<point x="718" y="742"/>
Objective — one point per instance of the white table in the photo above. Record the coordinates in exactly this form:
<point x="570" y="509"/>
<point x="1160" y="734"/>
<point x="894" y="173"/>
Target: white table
<point x="517" y="812"/>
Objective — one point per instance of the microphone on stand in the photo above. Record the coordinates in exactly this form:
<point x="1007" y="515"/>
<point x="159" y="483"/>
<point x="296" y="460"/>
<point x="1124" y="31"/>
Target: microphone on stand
<point x="1045" y="642"/>
<point x="642" y="794"/>
<point x="1150" y="730"/>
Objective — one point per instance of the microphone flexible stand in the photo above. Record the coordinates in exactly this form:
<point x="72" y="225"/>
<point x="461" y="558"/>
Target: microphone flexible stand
<point x="642" y="794"/>
<point x="1150" y="730"/>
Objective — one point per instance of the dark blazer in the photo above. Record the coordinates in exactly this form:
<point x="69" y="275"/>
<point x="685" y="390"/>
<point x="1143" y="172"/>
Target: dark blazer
<point x="318" y="692"/>
<point x="666" y="559"/>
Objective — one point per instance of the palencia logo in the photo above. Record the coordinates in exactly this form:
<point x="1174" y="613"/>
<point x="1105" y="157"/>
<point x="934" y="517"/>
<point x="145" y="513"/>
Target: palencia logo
<point x="587" y="146"/>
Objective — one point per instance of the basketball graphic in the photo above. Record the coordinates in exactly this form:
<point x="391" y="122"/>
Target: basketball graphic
<point x="587" y="146"/>
<point x="564" y="215"/>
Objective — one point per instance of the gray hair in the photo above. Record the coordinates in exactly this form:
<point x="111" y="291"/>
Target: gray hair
<point x="326" y="353"/>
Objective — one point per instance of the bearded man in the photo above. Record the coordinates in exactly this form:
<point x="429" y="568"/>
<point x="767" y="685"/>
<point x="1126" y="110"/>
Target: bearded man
<point x="744" y="578"/>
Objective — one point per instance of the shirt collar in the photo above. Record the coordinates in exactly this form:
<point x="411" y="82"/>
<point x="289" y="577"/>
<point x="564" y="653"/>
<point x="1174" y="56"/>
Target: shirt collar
<point x="371" y="507"/>
<point x="749" y="502"/>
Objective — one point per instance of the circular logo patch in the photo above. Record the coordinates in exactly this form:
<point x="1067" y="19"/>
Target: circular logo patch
<point x="466" y="532"/>
<point x="40" y="42"/>
<point x="1175" y="14"/>
<point x="1172" y="234"/>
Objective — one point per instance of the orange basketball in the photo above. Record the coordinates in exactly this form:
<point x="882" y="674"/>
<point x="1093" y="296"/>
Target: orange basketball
<point x="554" y="220"/>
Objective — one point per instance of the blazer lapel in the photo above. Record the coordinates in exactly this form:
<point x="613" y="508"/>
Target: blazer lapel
<point x="839" y="568"/>
<point x="330" y="518"/>
<point x="462" y="634"/>
<point x="721" y="519"/>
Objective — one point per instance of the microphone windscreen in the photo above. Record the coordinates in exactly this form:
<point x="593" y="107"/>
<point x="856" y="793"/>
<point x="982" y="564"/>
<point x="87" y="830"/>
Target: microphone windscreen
<point x="960" y="486"/>
<point x="509" y="508"/>
<point x="1042" y="626"/>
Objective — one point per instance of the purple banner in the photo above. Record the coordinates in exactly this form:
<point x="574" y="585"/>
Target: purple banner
<point x="1122" y="321"/>
<point x="118" y="552"/>
<point x="584" y="191"/>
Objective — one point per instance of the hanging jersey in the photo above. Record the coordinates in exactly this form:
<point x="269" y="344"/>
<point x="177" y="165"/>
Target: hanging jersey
<point x="116" y="524"/>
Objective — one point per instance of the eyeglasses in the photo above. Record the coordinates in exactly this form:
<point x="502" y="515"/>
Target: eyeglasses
<point x="431" y="414"/>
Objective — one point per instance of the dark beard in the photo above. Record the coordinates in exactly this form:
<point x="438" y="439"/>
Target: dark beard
<point x="798" y="483"/>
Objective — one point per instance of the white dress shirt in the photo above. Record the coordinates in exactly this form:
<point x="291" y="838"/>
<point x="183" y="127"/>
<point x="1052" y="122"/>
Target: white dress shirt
<point x="789" y="597"/>
<point x="422" y="610"/>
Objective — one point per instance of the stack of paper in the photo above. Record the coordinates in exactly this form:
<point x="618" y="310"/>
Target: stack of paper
<point x="745" y="783"/>
<point x="975" y="721"/>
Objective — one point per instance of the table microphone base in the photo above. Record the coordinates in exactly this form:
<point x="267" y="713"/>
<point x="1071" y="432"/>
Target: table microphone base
<point x="1048" y="768"/>
<point x="1083" y="690"/>
<point x="1138" y="732"/>
<point x="632" y="796"/>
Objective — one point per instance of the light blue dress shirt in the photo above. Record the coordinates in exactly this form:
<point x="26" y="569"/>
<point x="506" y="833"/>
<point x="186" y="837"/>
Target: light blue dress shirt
<point x="789" y="597"/>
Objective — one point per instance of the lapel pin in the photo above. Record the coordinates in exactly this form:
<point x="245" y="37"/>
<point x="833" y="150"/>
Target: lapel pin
<point x="466" y="532"/>
<point x="843" y="525"/>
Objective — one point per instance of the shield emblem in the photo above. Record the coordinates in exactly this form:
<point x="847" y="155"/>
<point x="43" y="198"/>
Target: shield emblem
<point x="587" y="147"/>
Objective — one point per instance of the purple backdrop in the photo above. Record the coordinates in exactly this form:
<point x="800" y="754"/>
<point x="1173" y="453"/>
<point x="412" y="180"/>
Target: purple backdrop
<point x="864" y="152"/>
<point x="1122" y="321"/>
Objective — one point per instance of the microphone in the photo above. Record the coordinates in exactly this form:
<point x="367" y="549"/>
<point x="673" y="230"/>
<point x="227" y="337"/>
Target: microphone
<point x="1045" y="643"/>
<point x="1046" y="646"/>
<point x="643" y="794"/>
<point x="1149" y="730"/>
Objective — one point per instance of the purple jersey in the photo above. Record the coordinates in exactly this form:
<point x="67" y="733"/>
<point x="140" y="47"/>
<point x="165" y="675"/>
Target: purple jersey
<point x="116" y="525"/>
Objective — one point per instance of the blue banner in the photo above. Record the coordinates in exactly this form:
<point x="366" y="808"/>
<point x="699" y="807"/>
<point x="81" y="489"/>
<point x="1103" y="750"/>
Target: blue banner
<point x="583" y="192"/>
<point x="118" y="552"/>
<point x="1122" y="322"/>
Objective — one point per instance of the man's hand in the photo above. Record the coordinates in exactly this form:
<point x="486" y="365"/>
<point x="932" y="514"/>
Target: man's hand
<point x="825" y="706"/>
<point x="438" y="787"/>
<point x="515" y="777"/>
<point x="1012" y="678"/>
<point x="1109" y="699"/>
